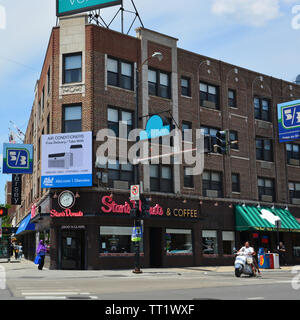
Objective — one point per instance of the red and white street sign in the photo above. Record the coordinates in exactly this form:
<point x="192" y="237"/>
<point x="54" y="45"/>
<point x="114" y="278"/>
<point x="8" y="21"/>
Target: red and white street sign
<point x="135" y="192"/>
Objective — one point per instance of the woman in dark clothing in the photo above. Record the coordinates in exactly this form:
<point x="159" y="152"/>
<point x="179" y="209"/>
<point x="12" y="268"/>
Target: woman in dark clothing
<point x="41" y="251"/>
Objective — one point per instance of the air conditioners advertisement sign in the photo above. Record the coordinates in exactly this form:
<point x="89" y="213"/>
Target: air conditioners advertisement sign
<point x="289" y="121"/>
<point x="67" y="160"/>
<point x="68" y="7"/>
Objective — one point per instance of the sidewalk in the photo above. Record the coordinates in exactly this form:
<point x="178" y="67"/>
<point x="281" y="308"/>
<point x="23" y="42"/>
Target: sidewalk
<point x="146" y="271"/>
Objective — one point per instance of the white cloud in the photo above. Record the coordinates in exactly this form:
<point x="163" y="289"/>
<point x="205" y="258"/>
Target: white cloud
<point x="249" y="12"/>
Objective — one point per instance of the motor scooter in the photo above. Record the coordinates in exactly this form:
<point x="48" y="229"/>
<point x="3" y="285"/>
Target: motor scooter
<point x="243" y="265"/>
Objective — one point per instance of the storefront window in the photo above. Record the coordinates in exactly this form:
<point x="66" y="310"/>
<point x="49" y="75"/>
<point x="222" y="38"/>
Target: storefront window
<point x="209" y="242"/>
<point x="228" y="242"/>
<point x="296" y="245"/>
<point x="117" y="240"/>
<point x="179" y="241"/>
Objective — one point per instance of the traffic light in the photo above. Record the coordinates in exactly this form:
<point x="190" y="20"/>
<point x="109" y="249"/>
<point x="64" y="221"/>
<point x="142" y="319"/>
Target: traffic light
<point x="3" y="212"/>
<point x="146" y="207"/>
<point x="221" y="142"/>
<point x="135" y="212"/>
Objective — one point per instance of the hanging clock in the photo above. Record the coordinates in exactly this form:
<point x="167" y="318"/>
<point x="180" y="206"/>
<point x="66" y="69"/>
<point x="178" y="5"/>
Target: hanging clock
<point x="66" y="199"/>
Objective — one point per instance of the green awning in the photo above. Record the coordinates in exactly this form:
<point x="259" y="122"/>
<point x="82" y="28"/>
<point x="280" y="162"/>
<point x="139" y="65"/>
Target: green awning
<point x="249" y="218"/>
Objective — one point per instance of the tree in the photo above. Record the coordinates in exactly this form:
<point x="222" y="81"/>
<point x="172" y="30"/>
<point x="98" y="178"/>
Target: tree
<point x="6" y="223"/>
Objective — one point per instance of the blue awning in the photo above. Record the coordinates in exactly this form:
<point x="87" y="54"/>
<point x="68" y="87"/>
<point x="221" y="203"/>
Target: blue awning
<point x="26" y="225"/>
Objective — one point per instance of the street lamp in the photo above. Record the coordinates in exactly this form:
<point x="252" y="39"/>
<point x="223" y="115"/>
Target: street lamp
<point x="137" y="218"/>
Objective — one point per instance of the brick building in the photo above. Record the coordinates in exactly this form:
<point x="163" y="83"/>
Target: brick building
<point x="87" y="83"/>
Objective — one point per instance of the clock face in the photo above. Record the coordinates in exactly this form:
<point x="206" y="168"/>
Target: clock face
<point x="66" y="199"/>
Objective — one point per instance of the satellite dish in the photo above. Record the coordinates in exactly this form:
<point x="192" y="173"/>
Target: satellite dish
<point x="298" y="79"/>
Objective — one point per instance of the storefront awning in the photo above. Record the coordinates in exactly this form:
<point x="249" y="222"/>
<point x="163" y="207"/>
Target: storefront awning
<point x="250" y="218"/>
<point x="25" y="225"/>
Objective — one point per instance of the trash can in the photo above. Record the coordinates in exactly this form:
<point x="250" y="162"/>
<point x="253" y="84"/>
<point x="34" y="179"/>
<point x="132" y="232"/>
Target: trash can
<point x="276" y="261"/>
<point x="271" y="257"/>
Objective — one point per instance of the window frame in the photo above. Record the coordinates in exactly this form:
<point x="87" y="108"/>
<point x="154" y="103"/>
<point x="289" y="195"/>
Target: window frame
<point x="119" y="73"/>
<point x="260" y="110"/>
<point x="264" y="188"/>
<point x="292" y="152"/>
<point x="158" y="84"/>
<point x="159" y="180"/>
<point x="207" y="95"/>
<point x="64" y="67"/>
<point x="188" y="88"/>
<point x="210" y="183"/>
<point x="236" y="186"/>
<point x="120" y="110"/>
<point x="64" y="115"/>
<point x="232" y="102"/>
<point x="263" y="151"/>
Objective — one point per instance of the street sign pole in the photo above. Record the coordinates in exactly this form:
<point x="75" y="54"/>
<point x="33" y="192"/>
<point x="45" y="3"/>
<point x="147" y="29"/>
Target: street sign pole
<point x="0" y="228"/>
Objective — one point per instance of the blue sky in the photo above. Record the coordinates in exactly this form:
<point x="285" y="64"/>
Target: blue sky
<point x="255" y="34"/>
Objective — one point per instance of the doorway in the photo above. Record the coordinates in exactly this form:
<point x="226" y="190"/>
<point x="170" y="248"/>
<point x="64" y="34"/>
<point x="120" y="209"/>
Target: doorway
<point x="72" y="250"/>
<point x="155" y="247"/>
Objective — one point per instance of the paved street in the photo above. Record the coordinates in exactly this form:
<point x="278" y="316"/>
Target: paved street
<point x="24" y="281"/>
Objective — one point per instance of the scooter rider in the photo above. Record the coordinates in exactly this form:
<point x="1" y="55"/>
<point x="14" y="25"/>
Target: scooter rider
<point x="249" y="251"/>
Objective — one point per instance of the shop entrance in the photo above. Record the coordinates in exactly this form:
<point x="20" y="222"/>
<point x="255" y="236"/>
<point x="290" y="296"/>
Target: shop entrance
<point x="72" y="249"/>
<point x="155" y="247"/>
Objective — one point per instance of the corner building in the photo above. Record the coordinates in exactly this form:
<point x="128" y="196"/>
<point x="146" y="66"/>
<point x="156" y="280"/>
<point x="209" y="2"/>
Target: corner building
<point x="87" y="83"/>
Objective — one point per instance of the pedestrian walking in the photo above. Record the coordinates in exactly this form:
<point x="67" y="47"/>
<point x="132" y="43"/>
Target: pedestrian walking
<point x="41" y="252"/>
<point x="20" y="248"/>
<point x="282" y="252"/>
<point x="10" y="250"/>
<point x="16" y="251"/>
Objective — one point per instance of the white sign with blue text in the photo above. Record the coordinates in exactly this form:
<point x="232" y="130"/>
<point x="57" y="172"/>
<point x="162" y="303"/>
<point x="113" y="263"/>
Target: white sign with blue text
<point x="67" y="160"/>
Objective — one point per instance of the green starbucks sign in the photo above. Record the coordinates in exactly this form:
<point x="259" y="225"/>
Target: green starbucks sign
<point x="68" y="7"/>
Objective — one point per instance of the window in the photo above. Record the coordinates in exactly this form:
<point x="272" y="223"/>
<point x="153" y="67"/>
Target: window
<point x="209" y="242"/>
<point x="294" y="190"/>
<point x="179" y="241"/>
<point x="159" y="83"/>
<point x="266" y="188"/>
<point x="119" y="172"/>
<point x="120" y="73"/>
<point x="72" y="68"/>
<point x="233" y="135"/>
<point x="48" y="124"/>
<point x="232" y="98"/>
<point x="293" y="154"/>
<point x="43" y="100"/>
<point x="161" y="178"/>
<point x="228" y="242"/>
<point x="264" y="150"/>
<point x="212" y="181"/>
<point x="117" y="240"/>
<point x="120" y="121"/>
<point x="48" y="81"/>
<point x="235" y="181"/>
<point x="185" y="87"/>
<point x="186" y="135"/>
<point x="188" y="179"/>
<point x="209" y="96"/>
<point x="262" y="109"/>
<point x="72" y="119"/>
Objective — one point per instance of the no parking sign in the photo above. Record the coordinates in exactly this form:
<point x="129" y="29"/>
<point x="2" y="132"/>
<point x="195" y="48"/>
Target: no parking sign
<point x="135" y="192"/>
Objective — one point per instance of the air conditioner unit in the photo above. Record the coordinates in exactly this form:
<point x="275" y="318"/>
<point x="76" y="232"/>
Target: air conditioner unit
<point x="209" y="104"/>
<point x="266" y="198"/>
<point x="60" y="160"/>
<point x="212" y="193"/>
<point x="294" y="162"/>
<point x="123" y="185"/>
<point x="295" y="201"/>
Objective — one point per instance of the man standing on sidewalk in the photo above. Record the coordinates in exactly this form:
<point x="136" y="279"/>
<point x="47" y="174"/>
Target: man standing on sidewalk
<point x="281" y="251"/>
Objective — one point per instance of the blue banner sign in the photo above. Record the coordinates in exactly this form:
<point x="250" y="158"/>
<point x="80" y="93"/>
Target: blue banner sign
<point x="68" y="7"/>
<point x="155" y="128"/>
<point x="289" y="121"/>
<point x="17" y="158"/>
